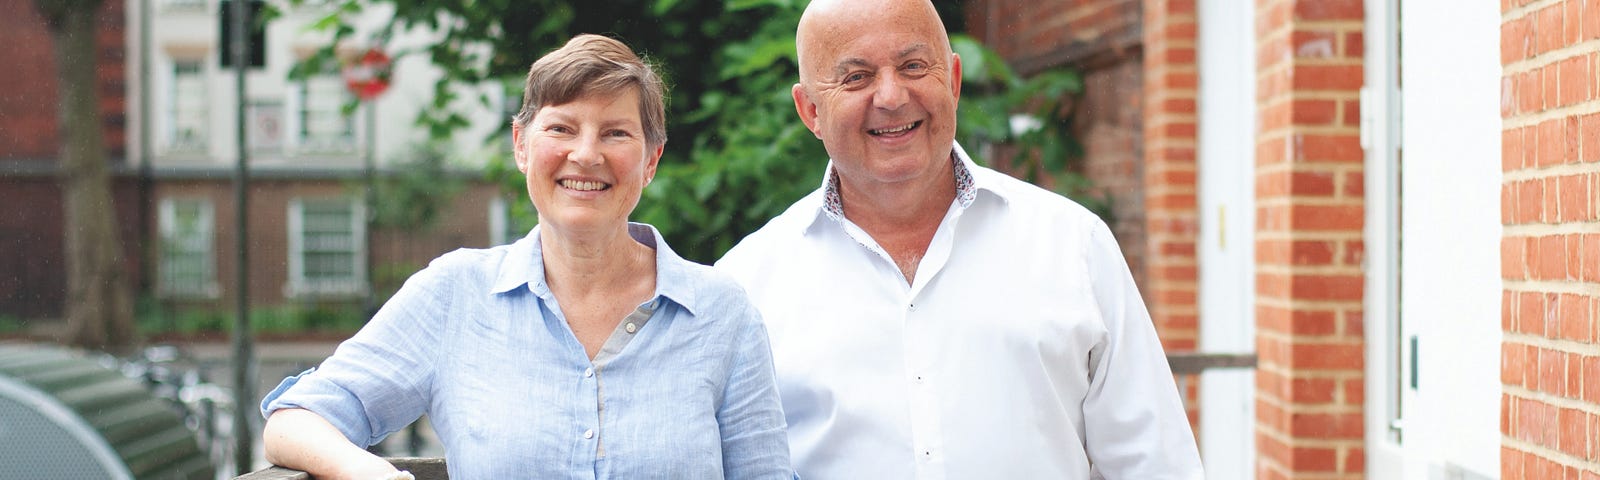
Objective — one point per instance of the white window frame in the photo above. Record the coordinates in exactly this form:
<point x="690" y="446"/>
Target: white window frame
<point x="175" y="93"/>
<point x="167" y="216"/>
<point x="299" y="286"/>
<point x="305" y="144"/>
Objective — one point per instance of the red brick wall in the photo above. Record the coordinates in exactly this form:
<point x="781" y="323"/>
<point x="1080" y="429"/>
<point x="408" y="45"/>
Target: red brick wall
<point x="1101" y="40"/>
<point x="1309" y="215"/>
<point x="1171" y="220"/>
<point x="1550" y="252"/>
<point x="28" y="116"/>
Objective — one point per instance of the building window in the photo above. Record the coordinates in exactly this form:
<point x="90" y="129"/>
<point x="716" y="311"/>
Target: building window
<point x="188" y="262"/>
<point x="187" y="107"/>
<point x="327" y="256"/>
<point x="324" y="125"/>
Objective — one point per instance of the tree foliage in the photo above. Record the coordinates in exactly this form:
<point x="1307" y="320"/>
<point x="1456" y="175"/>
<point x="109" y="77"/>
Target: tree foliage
<point x="737" y="154"/>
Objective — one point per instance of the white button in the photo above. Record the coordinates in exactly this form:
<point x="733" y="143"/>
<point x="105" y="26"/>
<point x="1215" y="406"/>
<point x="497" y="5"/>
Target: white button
<point x="588" y="433"/>
<point x="919" y="378"/>
<point x="588" y="372"/>
<point x="631" y="327"/>
<point x="912" y="307"/>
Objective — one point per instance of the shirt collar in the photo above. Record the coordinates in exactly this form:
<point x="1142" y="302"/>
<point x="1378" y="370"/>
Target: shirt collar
<point x="967" y="185"/>
<point x="523" y="266"/>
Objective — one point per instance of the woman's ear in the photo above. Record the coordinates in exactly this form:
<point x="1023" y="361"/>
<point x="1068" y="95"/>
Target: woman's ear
<point x="516" y="149"/>
<point x="654" y="160"/>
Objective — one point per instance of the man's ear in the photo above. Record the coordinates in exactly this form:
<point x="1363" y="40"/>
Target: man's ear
<point x="955" y="75"/>
<point x="806" y="108"/>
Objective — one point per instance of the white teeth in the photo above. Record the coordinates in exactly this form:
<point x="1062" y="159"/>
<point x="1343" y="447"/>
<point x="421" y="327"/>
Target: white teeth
<point x="898" y="129"/>
<point x="584" y="186"/>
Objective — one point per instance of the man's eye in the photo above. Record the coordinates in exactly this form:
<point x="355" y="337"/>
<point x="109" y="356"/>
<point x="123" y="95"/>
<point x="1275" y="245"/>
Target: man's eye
<point x="916" y="66"/>
<point x="855" y="78"/>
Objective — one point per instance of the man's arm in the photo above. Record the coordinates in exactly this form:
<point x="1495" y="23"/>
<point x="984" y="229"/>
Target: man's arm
<point x="1134" y="421"/>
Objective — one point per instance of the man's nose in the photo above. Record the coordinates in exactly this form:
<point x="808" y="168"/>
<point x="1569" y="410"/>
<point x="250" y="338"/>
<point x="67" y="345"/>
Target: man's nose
<point x="890" y="93"/>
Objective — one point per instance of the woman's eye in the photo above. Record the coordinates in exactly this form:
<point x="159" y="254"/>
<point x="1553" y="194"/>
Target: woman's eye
<point x="558" y="129"/>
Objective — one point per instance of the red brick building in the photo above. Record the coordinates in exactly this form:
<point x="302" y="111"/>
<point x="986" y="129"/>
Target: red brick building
<point x="177" y="219"/>
<point x="1404" y="233"/>
<point x="33" y="283"/>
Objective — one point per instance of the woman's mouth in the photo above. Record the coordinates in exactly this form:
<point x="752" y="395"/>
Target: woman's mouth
<point x="583" y="186"/>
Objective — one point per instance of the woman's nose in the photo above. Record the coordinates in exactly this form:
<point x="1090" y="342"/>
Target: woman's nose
<point x="586" y="152"/>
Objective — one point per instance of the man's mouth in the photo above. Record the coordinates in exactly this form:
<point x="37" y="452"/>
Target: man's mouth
<point x="584" y="186"/>
<point x="894" y="131"/>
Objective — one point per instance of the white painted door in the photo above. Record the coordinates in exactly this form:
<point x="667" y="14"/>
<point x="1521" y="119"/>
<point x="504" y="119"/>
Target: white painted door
<point x="1226" y="55"/>
<point x="1450" y="250"/>
<point x="1433" y="234"/>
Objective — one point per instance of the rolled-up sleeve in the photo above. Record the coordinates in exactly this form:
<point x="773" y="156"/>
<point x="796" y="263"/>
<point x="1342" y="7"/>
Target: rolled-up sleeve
<point x="378" y="381"/>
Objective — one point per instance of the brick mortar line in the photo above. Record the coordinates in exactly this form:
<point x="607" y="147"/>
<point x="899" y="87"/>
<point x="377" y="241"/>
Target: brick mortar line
<point x="1541" y="172"/>
<point x="1570" y="287"/>
<point x="1548" y="453"/>
<point x="1525" y="10"/>
<point x="1529" y="119"/>
<point x="1310" y="201"/>
<point x="1325" y="61"/>
<point x="1585" y="48"/>
<point x="1309" y="270"/>
<point x="1548" y="229"/>
<point x="1555" y="344"/>
<point x="1312" y="167"/>
<point x="1329" y="236"/>
<point x="1316" y="305"/>
<point x="1326" y="95"/>
<point x="1553" y="401"/>
<point x="1289" y="337"/>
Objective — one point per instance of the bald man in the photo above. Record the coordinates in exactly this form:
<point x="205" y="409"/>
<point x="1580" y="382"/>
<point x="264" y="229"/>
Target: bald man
<point x="931" y="318"/>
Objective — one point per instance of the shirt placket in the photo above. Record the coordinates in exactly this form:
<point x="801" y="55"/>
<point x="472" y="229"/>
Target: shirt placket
<point x="625" y="332"/>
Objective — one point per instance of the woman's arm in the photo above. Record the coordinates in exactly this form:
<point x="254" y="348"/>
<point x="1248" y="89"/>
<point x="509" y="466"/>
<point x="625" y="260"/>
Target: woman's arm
<point x="755" y="442"/>
<point x="300" y="439"/>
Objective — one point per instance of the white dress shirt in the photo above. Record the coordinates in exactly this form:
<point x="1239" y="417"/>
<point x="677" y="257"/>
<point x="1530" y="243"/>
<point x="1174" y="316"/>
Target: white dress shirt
<point x="1021" y="350"/>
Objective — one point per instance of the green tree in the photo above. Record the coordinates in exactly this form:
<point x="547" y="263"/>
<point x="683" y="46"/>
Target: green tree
<point x="737" y="155"/>
<point x="99" y="307"/>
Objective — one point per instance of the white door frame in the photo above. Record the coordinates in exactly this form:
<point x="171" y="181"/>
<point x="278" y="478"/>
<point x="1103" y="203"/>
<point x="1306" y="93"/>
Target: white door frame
<point x="1387" y="356"/>
<point x="1226" y="173"/>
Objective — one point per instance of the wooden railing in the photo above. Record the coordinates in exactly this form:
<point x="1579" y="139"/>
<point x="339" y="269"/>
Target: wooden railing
<point x="433" y="468"/>
<point x="424" y="468"/>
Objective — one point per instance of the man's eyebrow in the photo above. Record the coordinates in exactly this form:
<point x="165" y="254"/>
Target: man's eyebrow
<point x="913" y="49"/>
<point x="845" y="65"/>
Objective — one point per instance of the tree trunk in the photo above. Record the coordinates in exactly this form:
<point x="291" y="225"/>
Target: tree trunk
<point x="99" y="306"/>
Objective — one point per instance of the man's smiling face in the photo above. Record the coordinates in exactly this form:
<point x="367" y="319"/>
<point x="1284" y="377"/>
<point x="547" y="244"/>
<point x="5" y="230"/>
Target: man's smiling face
<point x="879" y="86"/>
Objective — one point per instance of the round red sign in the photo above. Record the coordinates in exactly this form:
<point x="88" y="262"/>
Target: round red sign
<point x="368" y="75"/>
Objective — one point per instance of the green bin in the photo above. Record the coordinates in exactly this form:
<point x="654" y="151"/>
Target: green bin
<point x="64" y="415"/>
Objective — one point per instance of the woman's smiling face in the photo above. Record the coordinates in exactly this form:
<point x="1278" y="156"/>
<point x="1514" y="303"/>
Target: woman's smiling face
<point x="586" y="161"/>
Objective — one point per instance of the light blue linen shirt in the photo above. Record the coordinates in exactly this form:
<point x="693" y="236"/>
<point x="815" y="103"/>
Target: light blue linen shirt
<point x="478" y="342"/>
